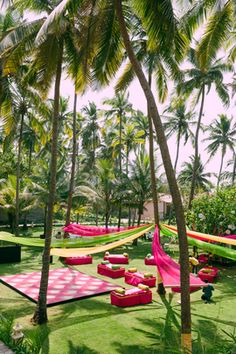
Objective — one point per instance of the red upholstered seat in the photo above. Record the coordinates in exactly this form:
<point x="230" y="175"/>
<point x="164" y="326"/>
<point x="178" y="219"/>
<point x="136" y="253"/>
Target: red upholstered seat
<point x="117" y="259"/>
<point x="79" y="260"/>
<point x="138" y="278"/>
<point x="208" y="273"/>
<point x="150" y="260"/>
<point x="104" y="269"/>
<point x="131" y="297"/>
<point x="202" y="258"/>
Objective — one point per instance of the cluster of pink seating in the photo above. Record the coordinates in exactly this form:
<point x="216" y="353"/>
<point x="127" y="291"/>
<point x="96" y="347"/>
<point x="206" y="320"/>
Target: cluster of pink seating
<point x="208" y="273"/>
<point x="79" y="260"/>
<point x="131" y="297"/>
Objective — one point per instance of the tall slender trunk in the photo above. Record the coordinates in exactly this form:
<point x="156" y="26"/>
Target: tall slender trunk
<point x="129" y="215"/>
<point x="18" y="177"/>
<point x="152" y="162"/>
<point x="220" y="171"/>
<point x="127" y="160"/>
<point x="195" y="164"/>
<point x="177" y="151"/>
<point x="234" y="169"/>
<point x="73" y="164"/>
<point x="45" y="219"/>
<point x="120" y="140"/>
<point x="186" y="340"/>
<point x="40" y="315"/>
<point x="30" y="159"/>
<point x="119" y="212"/>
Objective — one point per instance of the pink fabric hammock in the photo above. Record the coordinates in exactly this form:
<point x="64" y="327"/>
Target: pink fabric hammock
<point x="86" y="230"/>
<point x="169" y="270"/>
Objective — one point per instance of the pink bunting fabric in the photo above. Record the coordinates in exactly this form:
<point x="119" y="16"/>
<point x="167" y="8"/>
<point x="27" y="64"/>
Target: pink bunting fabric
<point x="86" y="230"/>
<point x="168" y="269"/>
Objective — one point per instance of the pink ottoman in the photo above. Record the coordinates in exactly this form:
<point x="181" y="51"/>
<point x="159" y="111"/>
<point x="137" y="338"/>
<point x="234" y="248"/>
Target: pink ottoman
<point x="150" y="260"/>
<point x="138" y="277"/>
<point x="131" y="297"/>
<point x="117" y="259"/>
<point x="79" y="260"/>
<point x="105" y="269"/>
<point x="208" y="273"/>
<point x="202" y="258"/>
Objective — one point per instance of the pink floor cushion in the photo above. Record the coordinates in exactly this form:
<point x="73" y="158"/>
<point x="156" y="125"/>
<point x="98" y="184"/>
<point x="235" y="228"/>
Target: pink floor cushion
<point x="202" y="258"/>
<point x="106" y="269"/>
<point x="178" y="289"/>
<point x="149" y="260"/>
<point x="139" y="278"/>
<point x="79" y="260"/>
<point x="117" y="259"/>
<point x="208" y="273"/>
<point x="131" y="297"/>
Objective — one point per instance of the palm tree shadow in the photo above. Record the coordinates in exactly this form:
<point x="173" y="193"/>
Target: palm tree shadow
<point x="163" y="333"/>
<point x="80" y="349"/>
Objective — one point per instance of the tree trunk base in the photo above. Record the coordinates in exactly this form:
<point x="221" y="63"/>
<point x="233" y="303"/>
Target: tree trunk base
<point x="135" y="242"/>
<point x="161" y="289"/>
<point x="39" y="318"/>
<point x="186" y="343"/>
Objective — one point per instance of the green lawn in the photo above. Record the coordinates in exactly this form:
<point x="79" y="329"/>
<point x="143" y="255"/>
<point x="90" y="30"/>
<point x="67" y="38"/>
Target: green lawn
<point x="93" y="326"/>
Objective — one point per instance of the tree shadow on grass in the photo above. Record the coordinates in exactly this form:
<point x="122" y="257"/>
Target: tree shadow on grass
<point x="101" y="309"/>
<point x="80" y="349"/>
<point x="163" y="333"/>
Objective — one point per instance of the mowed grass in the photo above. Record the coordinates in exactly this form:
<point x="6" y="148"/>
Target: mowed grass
<point x="93" y="326"/>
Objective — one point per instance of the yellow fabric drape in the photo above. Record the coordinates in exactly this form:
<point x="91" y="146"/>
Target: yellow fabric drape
<point x="74" y="252"/>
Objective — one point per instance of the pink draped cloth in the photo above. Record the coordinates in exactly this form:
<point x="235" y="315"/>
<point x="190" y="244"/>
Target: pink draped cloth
<point x="168" y="269"/>
<point x="86" y="230"/>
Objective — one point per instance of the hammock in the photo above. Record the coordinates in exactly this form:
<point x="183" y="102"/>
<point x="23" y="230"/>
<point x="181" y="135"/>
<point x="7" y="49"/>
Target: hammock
<point x="168" y="269"/>
<point x="73" y="252"/>
<point x="213" y="248"/>
<point x="204" y="237"/>
<point x="86" y="230"/>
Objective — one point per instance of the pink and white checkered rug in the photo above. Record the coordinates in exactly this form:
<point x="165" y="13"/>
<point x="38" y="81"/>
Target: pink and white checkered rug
<point x="65" y="284"/>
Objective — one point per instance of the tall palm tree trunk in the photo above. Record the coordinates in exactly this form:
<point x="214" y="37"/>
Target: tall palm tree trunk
<point x="234" y="169"/>
<point x="30" y="159"/>
<point x="177" y="150"/>
<point x="18" y="176"/>
<point x="40" y="314"/>
<point x="186" y="340"/>
<point x="221" y="165"/>
<point x="195" y="164"/>
<point x="73" y="164"/>
<point x="152" y="162"/>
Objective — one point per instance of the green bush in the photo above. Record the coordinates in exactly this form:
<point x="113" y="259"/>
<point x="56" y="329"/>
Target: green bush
<point x="214" y="214"/>
<point x="30" y="344"/>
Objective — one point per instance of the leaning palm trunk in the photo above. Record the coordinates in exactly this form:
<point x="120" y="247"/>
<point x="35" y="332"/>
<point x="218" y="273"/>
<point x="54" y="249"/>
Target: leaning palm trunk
<point x="73" y="163"/>
<point x="177" y="151"/>
<point x="18" y="177"/>
<point x="40" y="315"/>
<point x="195" y="164"/>
<point x="186" y="341"/>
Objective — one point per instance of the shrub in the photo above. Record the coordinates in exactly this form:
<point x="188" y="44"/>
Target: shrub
<point x="214" y="214"/>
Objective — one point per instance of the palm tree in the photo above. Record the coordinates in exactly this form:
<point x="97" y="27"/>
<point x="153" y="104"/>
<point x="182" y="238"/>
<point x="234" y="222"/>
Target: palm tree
<point x="102" y="191"/>
<point x="201" y="77"/>
<point x="120" y="106"/>
<point x="221" y="136"/>
<point x="202" y="178"/>
<point x="90" y="132"/>
<point x="178" y="123"/>
<point x="170" y="39"/>
<point x="130" y="139"/>
<point x="140" y="181"/>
